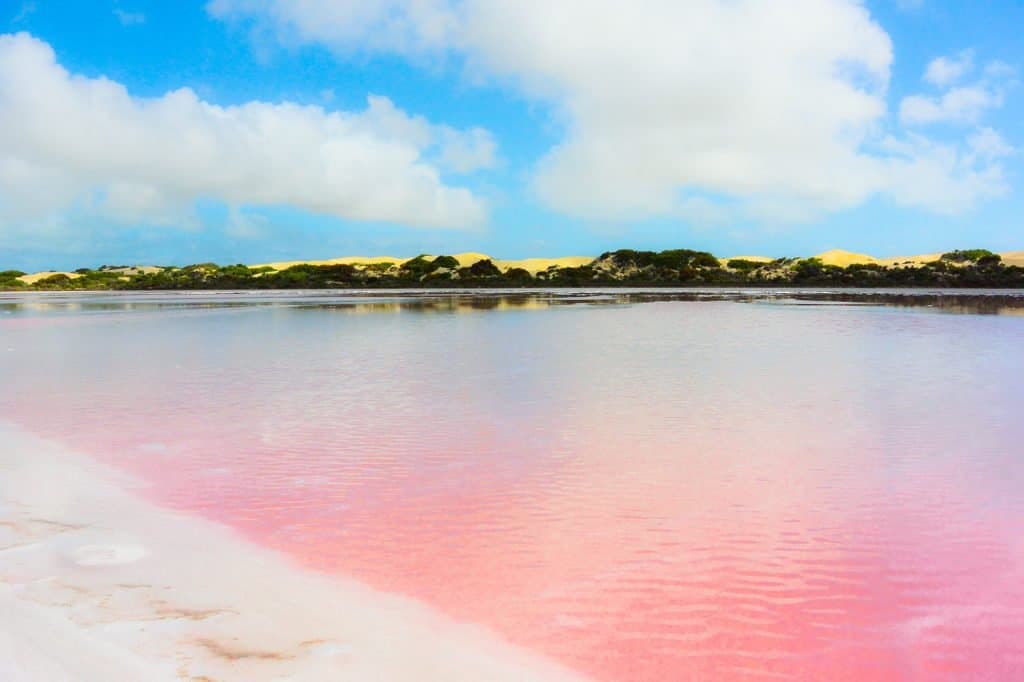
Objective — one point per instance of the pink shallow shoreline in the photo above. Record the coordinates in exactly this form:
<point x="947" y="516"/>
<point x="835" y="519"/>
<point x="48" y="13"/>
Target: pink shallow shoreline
<point x="92" y="536"/>
<point x="98" y="584"/>
<point x="761" y="618"/>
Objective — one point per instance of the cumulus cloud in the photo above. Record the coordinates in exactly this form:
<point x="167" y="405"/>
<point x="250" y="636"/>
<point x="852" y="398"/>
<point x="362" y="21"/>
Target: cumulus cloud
<point x="959" y="105"/>
<point x="457" y="151"/>
<point x="777" y="107"/>
<point x="963" y="104"/>
<point x="69" y="142"/>
<point x="943" y="71"/>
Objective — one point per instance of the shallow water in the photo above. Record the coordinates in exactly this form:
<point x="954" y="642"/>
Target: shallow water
<point x="642" y="486"/>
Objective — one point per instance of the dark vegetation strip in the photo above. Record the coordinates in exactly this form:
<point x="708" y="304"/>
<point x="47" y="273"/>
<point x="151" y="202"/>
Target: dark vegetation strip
<point x="974" y="268"/>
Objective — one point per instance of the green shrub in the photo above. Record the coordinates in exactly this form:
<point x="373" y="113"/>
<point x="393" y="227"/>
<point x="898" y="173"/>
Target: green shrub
<point x="444" y="262"/>
<point x="743" y="265"/>
<point x="970" y="256"/>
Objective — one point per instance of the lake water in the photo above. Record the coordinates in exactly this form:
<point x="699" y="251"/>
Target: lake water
<point x="661" y="486"/>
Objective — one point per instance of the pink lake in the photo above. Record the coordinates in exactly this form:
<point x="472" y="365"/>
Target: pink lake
<point x="640" y="488"/>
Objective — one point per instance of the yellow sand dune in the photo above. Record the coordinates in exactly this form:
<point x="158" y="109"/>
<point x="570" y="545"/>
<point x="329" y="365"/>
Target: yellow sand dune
<point x="532" y="265"/>
<point x="35" y="277"/>
<point x="469" y="257"/>
<point x="1013" y="258"/>
<point x="344" y="260"/>
<point x="755" y="259"/>
<point x="466" y="259"/>
<point x="919" y="259"/>
<point x="842" y="258"/>
<point x="535" y="265"/>
<point x="136" y="270"/>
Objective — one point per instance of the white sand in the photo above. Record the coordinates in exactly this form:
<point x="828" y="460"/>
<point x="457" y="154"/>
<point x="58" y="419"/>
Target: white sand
<point x="98" y="584"/>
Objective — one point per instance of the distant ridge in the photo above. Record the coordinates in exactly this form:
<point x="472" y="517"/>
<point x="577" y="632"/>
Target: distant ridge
<point x="835" y="267"/>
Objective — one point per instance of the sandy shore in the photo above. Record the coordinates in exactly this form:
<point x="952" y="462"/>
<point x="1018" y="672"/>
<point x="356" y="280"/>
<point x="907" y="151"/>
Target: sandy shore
<point x="98" y="584"/>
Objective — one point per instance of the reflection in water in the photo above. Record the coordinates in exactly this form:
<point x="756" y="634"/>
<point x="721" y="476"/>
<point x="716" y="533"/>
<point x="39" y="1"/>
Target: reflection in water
<point x="988" y="302"/>
<point x="646" y="487"/>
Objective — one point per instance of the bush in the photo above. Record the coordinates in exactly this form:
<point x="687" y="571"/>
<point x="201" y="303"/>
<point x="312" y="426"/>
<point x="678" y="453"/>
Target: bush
<point x="58" y="281"/>
<point x="417" y="267"/>
<point x="705" y="260"/>
<point x="518" y="276"/>
<point x="743" y="265"/>
<point x="484" y="268"/>
<point x="970" y="256"/>
<point x="444" y="262"/>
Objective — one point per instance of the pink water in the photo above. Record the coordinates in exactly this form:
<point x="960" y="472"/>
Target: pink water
<point x="666" y="490"/>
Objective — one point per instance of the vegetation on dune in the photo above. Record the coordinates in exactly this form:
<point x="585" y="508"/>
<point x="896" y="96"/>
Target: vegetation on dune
<point x="972" y="268"/>
<point x="743" y="265"/>
<point x="977" y="256"/>
<point x="9" y="279"/>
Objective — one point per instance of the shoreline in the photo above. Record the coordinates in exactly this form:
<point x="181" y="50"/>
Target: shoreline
<point x="98" y="584"/>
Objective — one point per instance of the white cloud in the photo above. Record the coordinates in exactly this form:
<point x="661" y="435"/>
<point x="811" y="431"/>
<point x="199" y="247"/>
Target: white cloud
<point x="129" y="18"/>
<point x="986" y="143"/>
<point x="944" y="71"/>
<point x="780" y="108"/>
<point x="964" y="104"/>
<point x="943" y="176"/>
<point x="732" y="98"/>
<point x="459" y="151"/>
<point x="999" y="70"/>
<point x="959" y="105"/>
<point x="69" y="142"/>
<point x="464" y="152"/>
<point x="404" y="26"/>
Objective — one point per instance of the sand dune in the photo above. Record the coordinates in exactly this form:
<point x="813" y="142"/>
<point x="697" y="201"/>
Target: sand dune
<point x="1013" y="258"/>
<point x="97" y="584"/>
<point x="535" y="265"/>
<point x="36" y="276"/>
<point x="756" y="259"/>
<point x="466" y="259"/>
<point x="844" y="258"/>
<point x="344" y="260"/>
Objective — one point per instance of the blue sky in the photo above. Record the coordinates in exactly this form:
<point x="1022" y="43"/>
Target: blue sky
<point x="241" y="130"/>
